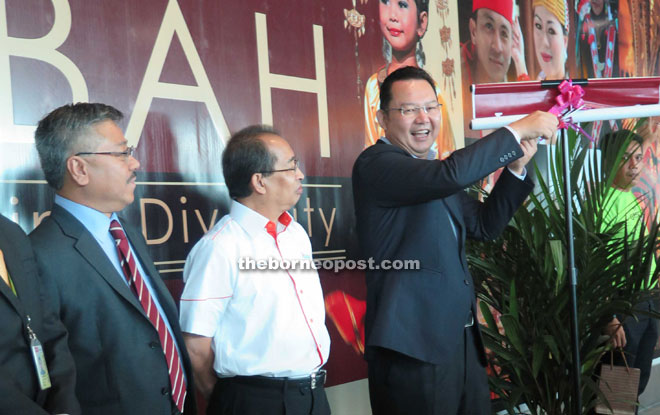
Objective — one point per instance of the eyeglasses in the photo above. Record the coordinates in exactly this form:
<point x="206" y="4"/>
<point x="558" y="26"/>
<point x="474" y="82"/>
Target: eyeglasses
<point x="124" y="155"/>
<point x="294" y="168"/>
<point x="409" y="112"/>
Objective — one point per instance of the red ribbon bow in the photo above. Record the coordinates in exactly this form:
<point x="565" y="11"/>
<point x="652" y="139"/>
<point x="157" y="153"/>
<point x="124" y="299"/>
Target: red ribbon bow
<point x="569" y="98"/>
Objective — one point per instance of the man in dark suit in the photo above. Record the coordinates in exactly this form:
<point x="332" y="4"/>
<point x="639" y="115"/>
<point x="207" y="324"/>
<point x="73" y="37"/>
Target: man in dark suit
<point x="424" y="351"/>
<point x="123" y="325"/>
<point x="25" y="308"/>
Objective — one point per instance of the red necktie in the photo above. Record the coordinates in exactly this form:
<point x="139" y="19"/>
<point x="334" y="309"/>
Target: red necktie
<point x="140" y="289"/>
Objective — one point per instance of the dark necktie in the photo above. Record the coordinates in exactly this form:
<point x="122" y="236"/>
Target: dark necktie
<point x="136" y="282"/>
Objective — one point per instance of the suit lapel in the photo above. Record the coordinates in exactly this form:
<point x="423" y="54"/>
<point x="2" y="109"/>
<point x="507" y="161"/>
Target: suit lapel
<point x="15" y="269"/>
<point x="457" y="218"/>
<point x="6" y="292"/>
<point x="456" y="215"/>
<point x="90" y="250"/>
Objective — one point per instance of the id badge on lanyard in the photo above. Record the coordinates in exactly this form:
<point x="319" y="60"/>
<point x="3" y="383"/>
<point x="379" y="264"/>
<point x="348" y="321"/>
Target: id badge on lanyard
<point x="38" y="357"/>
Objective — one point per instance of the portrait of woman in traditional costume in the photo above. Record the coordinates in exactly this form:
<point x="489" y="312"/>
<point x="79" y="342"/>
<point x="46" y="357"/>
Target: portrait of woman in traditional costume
<point x="551" y="23"/>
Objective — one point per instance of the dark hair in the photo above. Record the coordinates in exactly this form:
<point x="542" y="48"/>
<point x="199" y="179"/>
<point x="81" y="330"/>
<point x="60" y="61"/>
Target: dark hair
<point x="245" y="155"/>
<point x="67" y="130"/>
<point x="422" y="6"/>
<point x="402" y="74"/>
<point x="612" y="142"/>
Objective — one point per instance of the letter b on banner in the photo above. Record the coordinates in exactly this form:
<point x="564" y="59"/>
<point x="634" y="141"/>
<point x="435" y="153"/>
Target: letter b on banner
<point x="43" y="49"/>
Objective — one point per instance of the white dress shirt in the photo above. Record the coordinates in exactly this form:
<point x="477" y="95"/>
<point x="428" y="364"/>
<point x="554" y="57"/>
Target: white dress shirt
<point x="263" y="322"/>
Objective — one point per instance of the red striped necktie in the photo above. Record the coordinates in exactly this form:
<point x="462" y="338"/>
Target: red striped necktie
<point x="136" y="282"/>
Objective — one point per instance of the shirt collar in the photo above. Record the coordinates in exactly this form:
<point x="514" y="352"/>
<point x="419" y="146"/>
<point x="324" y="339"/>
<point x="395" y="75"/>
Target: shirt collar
<point x="94" y="221"/>
<point x="431" y="155"/>
<point x="255" y="223"/>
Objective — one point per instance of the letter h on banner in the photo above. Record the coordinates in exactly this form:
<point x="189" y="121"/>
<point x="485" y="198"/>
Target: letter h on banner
<point x="268" y="80"/>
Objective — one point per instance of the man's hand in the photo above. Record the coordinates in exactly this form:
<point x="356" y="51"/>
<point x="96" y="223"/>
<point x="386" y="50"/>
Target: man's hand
<point x="518" y="49"/>
<point x="535" y="125"/>
<point x="529" y="148"/>
<point x="202" y="358"/>
<point x="614" y="329"/>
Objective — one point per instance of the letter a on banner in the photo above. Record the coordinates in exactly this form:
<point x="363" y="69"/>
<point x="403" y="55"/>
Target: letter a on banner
<point x="173" y="22"/>
<point x="43" y="49"/>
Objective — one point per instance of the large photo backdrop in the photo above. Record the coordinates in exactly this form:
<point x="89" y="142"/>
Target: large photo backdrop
<point x="188" y="74"/>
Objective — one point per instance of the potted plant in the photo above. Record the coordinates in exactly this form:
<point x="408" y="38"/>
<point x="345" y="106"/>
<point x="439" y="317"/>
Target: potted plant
<point x="523" y="286"/>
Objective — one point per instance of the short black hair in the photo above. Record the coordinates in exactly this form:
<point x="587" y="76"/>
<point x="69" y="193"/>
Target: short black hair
<point x="245" y="155"/>
<point x="422" y="6"/>
<point x="611" y="143"/>
<point x="67" y="130"/>
<point x="402" y="74"/>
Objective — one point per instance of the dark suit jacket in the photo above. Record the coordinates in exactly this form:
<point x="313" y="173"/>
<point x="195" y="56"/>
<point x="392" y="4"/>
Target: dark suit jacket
<point x="120" y="364"/>
<point x="403" y="207"/>
<point x="19" y="388"/>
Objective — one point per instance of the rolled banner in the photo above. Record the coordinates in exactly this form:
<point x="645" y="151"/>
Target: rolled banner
<point x="596" y="114"/>
<point x="497" y="105"/>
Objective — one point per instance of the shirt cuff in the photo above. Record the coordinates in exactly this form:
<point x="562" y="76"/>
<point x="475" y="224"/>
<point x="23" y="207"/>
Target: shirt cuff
<point x="520" y="176"/>
<point x="514" y="132"/>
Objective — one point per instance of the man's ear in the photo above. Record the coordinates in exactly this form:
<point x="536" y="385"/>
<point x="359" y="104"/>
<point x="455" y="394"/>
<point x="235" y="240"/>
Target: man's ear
<point x="473" y="30"/>
<point x="381" y="116"/>
<point x="78" y="170"/>
<point x="258" y="184"/>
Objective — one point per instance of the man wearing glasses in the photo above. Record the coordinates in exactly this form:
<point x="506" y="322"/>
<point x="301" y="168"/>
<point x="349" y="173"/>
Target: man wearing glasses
<point x="252" y="308"/>
<point x="123" y="325"/>
<point x="423" y="348"/>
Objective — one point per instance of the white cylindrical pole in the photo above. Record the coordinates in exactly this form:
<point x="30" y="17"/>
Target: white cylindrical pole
<point x="597" y="114"/>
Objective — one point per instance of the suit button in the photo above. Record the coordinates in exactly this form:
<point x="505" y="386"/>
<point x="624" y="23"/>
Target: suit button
<point x="501" y="159"/>
<point x="513" y="152"/>
<point x="153" y="345"/>
<point x="509" y="154"/>
<point x="466" y="282"/>
<point x="165" y="391"/>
